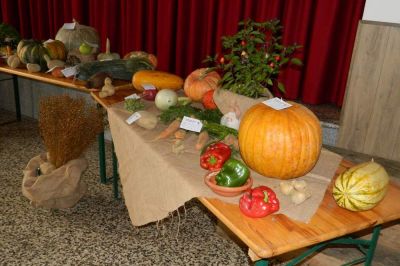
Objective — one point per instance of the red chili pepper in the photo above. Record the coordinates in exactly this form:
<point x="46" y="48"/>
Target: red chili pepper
<point x="214" y="156"/>
<point x="259" y="202"/>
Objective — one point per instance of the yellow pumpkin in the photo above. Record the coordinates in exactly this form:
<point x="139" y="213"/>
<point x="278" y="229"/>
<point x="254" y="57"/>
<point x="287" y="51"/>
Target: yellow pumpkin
<point x="199" y="82"/>
<point x="281" y="144"/>
<point x="159" y="79"/>
<point x="56" y="50"/>
<point x="361" y="187"/>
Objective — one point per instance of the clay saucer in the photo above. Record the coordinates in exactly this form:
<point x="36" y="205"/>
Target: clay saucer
<point x="209" y="179"/>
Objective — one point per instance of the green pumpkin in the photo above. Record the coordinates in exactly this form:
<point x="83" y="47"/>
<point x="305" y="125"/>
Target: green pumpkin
<point x="31" y="51"/>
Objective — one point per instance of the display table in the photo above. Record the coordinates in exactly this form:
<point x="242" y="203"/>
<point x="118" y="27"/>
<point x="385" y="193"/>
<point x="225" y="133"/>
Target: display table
<point x="275" y="234"/>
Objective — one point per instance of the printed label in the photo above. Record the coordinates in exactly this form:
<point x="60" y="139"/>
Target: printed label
<point x="148" y="87"/>
<point x="277" y="103"/>
<point x="69" y="71"/>
<point x="69" y="26"/>
<point x="134" y="117"/>
<point x="132" y="96"/>
<point x="191" y="124"/>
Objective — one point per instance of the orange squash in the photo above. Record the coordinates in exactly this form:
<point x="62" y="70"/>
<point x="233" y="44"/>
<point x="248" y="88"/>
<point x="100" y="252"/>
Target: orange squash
<point x="159" y="79"/>
<point x="280" y="144"/>
<point x="56" y="50"/>
<point x="199" y="82"/>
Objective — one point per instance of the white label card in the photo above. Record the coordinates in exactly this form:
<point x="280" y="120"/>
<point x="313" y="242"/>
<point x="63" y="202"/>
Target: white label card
<point x="134" y="117"/>
<point x="132" y="96"/>
<point x="69" y="71"/>
<point x="191" y="124"/>
<point x="48" y="41"/>
<point x="148" y="87"/>
<point x="51" y="69"/>
<point x="277" y="104"/>
<point x="69" y="26"/>
<point x="92" y="44"/>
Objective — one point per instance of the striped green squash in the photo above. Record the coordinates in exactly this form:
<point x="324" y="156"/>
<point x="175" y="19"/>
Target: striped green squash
<point x="361" y="187"/>
<point x="30" y="51"/>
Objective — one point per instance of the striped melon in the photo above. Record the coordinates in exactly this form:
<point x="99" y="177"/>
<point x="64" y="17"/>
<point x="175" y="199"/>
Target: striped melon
<point x="361" y="187"/>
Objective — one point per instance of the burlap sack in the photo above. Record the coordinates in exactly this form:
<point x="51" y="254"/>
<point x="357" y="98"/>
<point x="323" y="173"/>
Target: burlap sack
<point x="227" y="101"/>
<point x="60" y="189"/>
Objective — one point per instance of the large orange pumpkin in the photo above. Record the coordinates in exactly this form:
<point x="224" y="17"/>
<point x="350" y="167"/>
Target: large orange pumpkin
<point x="199" y="82"/>
<point x="281" y="144"/>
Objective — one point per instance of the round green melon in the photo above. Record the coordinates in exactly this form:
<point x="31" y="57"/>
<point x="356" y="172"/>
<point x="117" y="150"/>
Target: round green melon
<point x="361" y="187"/>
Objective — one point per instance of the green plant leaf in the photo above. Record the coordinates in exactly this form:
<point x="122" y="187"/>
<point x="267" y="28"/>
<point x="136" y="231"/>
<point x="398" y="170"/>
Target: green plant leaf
<point x="281" y="87"/>
<point x="296" y="61"/>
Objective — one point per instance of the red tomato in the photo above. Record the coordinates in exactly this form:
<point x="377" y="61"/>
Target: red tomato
<point x="243" y="43"/>
<point x="222" y="60"/>
<point x="208" y="101"/>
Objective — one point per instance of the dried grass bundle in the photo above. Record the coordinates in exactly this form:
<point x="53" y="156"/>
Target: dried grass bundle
<point x="67" y="126"/>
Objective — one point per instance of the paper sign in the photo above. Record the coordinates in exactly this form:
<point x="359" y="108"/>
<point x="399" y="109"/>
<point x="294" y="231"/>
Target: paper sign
<point x="69" y="26"/>
<point x="191" y="124"/>
<point x="51" y="69"/>
<point x="94" y="45"/>
<point x="277" y="104"/>
<point x="69" y="71"/>
<point x="134" y="117"/>
<point x="148" y="87"/>
<point x="132" y="96"/>
<point x="48" y="41"/>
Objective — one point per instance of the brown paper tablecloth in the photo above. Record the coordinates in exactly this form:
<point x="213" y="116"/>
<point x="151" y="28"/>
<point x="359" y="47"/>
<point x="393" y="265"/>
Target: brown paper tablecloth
<point x="155" y="181"/>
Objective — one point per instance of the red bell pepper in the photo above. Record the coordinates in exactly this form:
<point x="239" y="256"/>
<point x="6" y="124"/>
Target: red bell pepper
<point x="214" y="156"/>
<point x="259" y="202"/>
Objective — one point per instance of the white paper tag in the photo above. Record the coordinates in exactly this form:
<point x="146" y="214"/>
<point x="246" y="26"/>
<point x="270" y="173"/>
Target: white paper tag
<point x="51" y="69"/>
<point x="134" y="117"/>
<point x="94" y="45"/>
<point x="48" y="41"/>
<point x="277" y="103"/>
<point x="69" y="26"/>
<point x="132" y="96"/>
<point x="148" y="87"/>
<point x="69" y="71"/>
<point x="191" y="124"/>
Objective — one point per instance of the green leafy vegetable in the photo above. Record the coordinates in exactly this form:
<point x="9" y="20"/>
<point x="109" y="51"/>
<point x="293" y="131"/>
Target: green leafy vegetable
<point x="133" y="105"/>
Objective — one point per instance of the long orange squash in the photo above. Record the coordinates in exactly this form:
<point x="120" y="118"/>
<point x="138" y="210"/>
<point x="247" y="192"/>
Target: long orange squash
<point x="280" y="144"/>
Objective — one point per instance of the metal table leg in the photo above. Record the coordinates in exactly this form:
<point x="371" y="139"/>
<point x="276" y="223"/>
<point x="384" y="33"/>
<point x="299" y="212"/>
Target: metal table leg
<point x="115" y="176"/>
<point x="16" y="97"/>
<point x="367" y="247"/>
<point x="102" y="158"/>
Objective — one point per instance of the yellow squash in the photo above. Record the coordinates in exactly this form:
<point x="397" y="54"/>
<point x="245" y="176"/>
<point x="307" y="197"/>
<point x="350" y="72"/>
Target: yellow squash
<point x="159" y="79"/>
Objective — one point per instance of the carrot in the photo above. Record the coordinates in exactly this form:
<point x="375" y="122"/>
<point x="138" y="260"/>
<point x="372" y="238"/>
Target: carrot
<point x="202" y="140"/>
<point x="180" y="134"/>
<point x="174" y="126"/>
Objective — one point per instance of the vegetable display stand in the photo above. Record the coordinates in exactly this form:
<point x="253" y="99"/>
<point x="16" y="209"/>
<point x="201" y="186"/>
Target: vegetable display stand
<point x="367" y="247"/>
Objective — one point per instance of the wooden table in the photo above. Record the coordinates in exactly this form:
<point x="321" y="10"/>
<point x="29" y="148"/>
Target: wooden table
<point x="277" y="234"/>
<point x="69" y="83"/>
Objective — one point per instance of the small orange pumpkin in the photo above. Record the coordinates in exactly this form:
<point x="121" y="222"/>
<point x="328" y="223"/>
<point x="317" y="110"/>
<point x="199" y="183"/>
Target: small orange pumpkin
<point x="141" y="54"/>
<point x="56" y="50"/>
<point x="199" y="82"/>
<point x="281" y="144"/>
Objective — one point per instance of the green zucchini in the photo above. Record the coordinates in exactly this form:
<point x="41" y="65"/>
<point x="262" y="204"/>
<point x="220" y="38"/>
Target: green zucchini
<point x="118" y="68"/>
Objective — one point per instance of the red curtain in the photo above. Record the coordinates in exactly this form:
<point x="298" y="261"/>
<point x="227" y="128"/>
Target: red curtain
<point x="183" y="32"/>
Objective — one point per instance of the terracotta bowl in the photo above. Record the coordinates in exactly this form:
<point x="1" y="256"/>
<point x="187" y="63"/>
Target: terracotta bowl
<point x="209" y="179"/>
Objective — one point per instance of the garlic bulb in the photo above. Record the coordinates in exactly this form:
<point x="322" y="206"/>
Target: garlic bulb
<point x="298" y="197"/>
<point x="300" y="185"/>
<point x="286" y="187"/>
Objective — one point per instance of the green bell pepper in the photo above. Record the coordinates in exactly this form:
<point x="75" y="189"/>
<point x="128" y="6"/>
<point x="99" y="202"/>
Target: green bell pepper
<point x="233" y="173"/>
